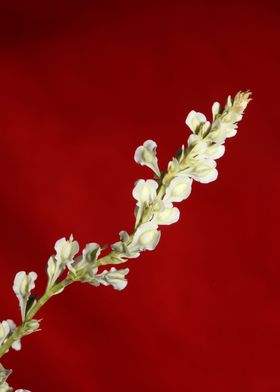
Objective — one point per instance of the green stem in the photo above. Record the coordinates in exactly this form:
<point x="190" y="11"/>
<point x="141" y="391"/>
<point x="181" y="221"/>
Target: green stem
<point x="46" y="296"/>
<point x="18" y="333"/>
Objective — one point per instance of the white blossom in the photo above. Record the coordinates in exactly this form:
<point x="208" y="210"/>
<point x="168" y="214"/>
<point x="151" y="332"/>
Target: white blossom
<point x="114" y="277"/>
<point x="122" y="249"/>
<point x="204" y="149"/>
<point x="168" y="216"/>
<point x="23" y="285"/>
<point x="203" y="171"/>
<point x="194" y="120"/>
<point x="146" y="156"/>
<point x="179" y="189"/>
<point x="89" y="256"/>
<point x="146" y="237"/>
<point x="65" y="252"/>
<point x="214" y="151"/>
<point x="145" y="192"/>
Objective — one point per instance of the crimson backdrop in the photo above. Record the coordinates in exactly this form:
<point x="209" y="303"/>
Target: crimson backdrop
<point x="82" y="85"/>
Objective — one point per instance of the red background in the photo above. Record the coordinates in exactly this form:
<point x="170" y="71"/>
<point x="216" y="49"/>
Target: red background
<point x="82" y="85"/>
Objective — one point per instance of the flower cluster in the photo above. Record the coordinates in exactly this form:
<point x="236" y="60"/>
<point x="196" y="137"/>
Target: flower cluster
<point x="155" y="199"/>
<point x="83" y="268"/>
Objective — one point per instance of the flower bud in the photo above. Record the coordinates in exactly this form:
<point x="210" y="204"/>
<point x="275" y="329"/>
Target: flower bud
<point x="66" y="250"/>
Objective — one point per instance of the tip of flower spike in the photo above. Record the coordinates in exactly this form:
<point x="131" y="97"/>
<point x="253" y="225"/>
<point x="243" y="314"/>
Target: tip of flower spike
<point x="243" y="98"/>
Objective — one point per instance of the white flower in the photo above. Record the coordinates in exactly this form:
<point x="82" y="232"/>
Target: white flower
<point x="168" y="216"/>
<point x="66" y="250"/>
<point x="17" y="345"/>
<point x="23" y="284"/>
<point x="146" y="237"/>
<point x="90" y="254"/>
<point x="4" y="331"/>
<point x="194" y="120"/>
<point x="179" y="189"/>
<point x="145" y="192"/>
<point x="114" y="277"/>
<point x="214" y="151"/>
<point x="146" y="156"/>
<point x="203" y="171"/>
<point x="205" y="149"/>
<point x="122" y="249"/>
<point x="221" y="130"/>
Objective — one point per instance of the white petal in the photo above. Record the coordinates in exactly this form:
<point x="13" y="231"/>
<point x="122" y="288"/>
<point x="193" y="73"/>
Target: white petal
<point x="215" y="151"/>
<point x="195" y="119"/>
<point x="145" y="191"/>
<point x="66" y="250"/>
<point x="146" y="237"/>
<point x="90" y="248"/>
<point x="12" y="324"/>
<point x="18" y="281"/>
<point x="168" y="216"/>
<point x="216" y="109"/>
<point x="150" y="145"/>
<point x="146" y="156"/>
<point x="179" y="189"/>
<point x="203" y="171"/>
<point x="17" y="345"/>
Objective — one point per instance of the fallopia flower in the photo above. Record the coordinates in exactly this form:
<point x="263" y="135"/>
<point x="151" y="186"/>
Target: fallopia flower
<point x="154" y="208"/>
<point x="178" y="190"/>
<point x="85" y="262"/>
<point x="146" y="156"/>
<point x="23" y="284"/>
<point x="194" y="120"/>
<point x="65" y="252"/>
<point x="113" y="277"/>
<point x="146" y="237"/>
<point x="145" y="192"/>
<point x="167" y="216"/>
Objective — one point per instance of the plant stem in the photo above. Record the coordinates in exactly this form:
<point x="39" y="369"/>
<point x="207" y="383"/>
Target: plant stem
<point x="18" y="333"/>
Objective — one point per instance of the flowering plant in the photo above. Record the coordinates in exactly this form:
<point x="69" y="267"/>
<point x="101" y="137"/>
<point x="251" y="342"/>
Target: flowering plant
<point x="155" y="200"/>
